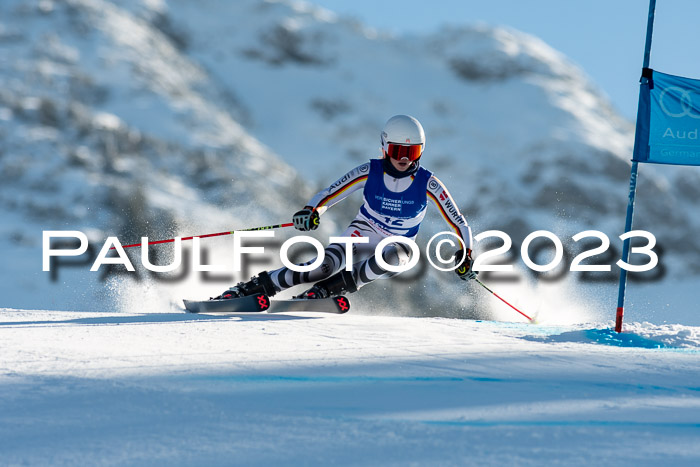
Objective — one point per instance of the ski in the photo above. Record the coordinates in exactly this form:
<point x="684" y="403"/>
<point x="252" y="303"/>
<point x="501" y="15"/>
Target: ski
<point x="249" y="304"/>
<point x="337" y="305"/>
<point x="261" y="303"/>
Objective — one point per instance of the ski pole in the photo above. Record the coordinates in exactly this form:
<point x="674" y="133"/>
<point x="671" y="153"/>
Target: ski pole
<point x="267" y="227"/>
<point x="501" y="299"/>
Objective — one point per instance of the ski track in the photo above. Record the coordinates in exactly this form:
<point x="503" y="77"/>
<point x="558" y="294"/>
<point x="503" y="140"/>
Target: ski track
<point x="121" y="388"/>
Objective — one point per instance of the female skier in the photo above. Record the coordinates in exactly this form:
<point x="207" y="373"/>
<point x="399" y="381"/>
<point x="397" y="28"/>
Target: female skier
<point x="396" y="191"/>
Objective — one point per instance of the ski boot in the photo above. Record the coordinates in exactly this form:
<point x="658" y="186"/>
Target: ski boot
<point x="338" y="284"/>
<point x="262" y="283"/>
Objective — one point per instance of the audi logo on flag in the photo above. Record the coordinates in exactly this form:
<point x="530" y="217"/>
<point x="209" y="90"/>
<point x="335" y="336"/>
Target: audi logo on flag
<point x="684" y="97"/>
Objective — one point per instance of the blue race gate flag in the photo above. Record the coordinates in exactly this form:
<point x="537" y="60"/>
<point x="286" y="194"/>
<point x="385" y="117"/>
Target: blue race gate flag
<point x="668" y="120"/>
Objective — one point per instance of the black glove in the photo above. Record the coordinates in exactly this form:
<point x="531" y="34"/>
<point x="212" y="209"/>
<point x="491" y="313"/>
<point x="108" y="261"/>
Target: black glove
<point x="464" y="264"/>
<point x="306" y="219"/>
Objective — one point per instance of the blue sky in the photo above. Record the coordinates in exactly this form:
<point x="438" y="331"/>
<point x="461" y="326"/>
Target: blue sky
<point x="605" y="37"/>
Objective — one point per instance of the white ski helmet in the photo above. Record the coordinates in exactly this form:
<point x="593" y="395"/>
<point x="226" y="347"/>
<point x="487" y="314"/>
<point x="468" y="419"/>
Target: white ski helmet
<point x="403" y="131"/>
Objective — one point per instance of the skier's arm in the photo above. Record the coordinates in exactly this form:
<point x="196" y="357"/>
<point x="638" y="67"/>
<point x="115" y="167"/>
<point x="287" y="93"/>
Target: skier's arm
<point x="449" y="211"/>
<point x="340" y="189"/>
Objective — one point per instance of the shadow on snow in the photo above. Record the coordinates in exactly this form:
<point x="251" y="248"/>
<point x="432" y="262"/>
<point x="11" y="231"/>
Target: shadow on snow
<point x="160" y="317"/>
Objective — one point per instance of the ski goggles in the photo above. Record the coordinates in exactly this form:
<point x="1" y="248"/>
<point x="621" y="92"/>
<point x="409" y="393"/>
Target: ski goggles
<point x="399" y="151"/>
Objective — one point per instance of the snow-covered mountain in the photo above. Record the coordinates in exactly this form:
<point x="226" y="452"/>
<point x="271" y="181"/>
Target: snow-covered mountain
<point x="147" y="117"/>
<point x="108" y="128"/>
<point x="521" y="136"/>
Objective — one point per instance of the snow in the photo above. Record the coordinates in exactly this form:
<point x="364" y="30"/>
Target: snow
<point x="164" y="111"/>
<point x="145" y="388"/>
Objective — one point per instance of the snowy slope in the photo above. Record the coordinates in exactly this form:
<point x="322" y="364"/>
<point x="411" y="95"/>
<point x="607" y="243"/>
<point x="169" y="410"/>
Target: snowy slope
<point x="142" y="389"/>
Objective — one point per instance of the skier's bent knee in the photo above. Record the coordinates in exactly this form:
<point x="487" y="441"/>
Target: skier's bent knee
<point x="396" y="255"/>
